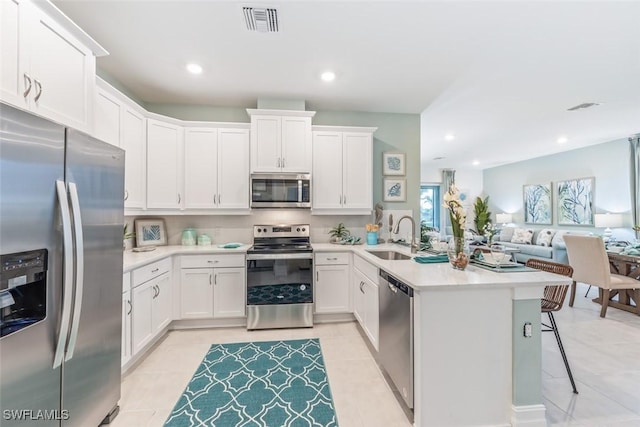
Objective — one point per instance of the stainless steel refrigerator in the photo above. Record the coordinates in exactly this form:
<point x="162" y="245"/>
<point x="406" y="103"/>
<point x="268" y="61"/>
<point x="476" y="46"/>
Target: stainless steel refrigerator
<point x="61" y="219"/>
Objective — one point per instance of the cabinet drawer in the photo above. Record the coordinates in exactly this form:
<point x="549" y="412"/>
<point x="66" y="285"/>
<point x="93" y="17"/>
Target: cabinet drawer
<point x="328" y="258"/>
<point x="148" y="272"/>
<point x="205" y="261"/>
<point x="126" y="282"/>
<point x="369" y="270"/>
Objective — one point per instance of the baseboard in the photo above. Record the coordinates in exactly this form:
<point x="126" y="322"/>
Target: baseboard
<point x="528" y="415"/>
<point x="333" y="317"/>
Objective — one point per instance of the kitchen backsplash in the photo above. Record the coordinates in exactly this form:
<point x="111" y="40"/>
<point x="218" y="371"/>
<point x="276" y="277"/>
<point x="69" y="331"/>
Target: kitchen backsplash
<point x="239" y="228"/>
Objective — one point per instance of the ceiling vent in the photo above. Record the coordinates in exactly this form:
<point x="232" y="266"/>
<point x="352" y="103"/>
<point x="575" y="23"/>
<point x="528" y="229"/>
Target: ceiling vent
<point x="261" y="20"/>
<point x="583" y="106"/>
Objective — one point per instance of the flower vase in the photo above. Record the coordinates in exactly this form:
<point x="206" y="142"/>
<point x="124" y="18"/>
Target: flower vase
<point x="458" y="253"/>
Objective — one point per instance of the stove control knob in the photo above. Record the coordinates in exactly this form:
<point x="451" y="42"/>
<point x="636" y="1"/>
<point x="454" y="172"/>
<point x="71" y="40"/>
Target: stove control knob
<point x="304" y="229"/>
<point x="298" y="229"/>
<point x="259" y="230"/>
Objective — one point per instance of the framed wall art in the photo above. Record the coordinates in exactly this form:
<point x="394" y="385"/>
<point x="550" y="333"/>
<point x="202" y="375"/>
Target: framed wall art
<point x="150" y="232"/>
<point x="394" y="190"/>
<point x="393" y="164"/>
<point x="575" y="201"/>
<point x="537" y="204"/>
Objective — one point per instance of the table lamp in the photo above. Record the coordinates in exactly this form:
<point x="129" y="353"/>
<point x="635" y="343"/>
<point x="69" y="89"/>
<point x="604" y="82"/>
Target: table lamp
<point x="504" y="218"/>
<point x="608" y="221"/>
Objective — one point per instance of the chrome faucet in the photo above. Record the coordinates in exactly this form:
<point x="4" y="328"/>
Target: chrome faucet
<point x="414" y="244"/>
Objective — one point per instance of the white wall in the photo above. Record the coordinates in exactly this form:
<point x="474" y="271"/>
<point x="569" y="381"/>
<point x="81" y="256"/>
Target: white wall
<point x="608" y="163"/>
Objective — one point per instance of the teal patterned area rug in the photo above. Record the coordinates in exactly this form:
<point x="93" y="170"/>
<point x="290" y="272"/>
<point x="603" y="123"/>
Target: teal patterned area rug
<point x="258" y="384"/>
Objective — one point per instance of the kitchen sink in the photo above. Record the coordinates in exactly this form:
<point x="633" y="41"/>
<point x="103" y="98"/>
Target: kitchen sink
<point x="390" y="255"/>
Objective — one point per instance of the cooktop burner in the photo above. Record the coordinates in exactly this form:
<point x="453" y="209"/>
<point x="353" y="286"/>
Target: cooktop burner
<point x="281" y="238"/>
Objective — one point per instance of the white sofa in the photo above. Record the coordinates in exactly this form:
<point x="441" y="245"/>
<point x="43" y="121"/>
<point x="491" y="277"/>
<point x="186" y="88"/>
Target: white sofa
<point x="556" y="252"/>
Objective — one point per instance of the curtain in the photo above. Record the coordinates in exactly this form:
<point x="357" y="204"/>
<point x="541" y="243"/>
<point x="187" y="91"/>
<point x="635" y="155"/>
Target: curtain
<point x="448" y="178"/>
<point x="635" y="180"/>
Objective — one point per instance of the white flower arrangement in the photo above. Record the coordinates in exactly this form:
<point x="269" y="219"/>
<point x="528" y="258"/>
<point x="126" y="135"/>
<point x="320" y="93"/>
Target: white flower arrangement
<point x="456" y="211"/>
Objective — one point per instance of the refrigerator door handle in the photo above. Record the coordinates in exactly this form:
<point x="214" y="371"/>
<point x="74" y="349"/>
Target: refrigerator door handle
<point x="67" y="276"/>
<point x="79" y="244"/>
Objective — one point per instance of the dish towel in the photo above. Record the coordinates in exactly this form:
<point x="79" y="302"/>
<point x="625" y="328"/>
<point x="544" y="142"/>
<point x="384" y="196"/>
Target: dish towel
<point x="431" y="259"/>
<point x="230" y="245"/>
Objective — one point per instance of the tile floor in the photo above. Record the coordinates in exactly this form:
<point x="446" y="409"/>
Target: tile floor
<point x="604" y="355"/>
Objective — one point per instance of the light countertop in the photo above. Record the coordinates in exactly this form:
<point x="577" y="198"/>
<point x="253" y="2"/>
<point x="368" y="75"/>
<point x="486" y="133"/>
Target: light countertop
<point x="418" y="276"/>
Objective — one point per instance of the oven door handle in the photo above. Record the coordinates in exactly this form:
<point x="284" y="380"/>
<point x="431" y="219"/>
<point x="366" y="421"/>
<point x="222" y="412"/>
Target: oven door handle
<point x="304" y="255"/>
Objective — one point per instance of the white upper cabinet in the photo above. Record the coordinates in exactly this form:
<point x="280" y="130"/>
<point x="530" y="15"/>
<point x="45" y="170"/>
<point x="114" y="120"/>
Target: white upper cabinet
<point x="216" y="168"/>
<point x="164" y="165"/>
<point x="108" y="117"/>
<point x="280" y="140"/>
<point x="342" y="170"/>
<point x="48" y="63"/>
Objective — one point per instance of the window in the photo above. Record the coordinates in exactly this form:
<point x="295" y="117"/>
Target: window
<point x="430" y="205"/>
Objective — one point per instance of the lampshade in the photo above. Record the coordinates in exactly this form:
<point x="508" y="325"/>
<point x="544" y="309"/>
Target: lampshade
<point x="608" y="220"/>
<point x="504" y="218"/>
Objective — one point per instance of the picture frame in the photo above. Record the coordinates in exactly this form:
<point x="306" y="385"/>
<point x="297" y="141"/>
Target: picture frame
<point x="394" y="190"/>
<point x="150" y="232"/>
<point x="393" y="164"/>
<point x="575" y="201"/>
<point x="538" y="203"/>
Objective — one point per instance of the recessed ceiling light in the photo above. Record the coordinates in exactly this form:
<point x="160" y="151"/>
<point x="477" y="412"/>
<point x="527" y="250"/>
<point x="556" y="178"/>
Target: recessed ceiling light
<point x="449" y="137"/>
<point x="562" y="140"/>
<point x="328" y="76"/>
<point x="194" y="68"/>
<point x="476" y="163"/>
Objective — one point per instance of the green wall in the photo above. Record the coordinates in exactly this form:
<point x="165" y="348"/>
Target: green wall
<point x="206" y="113"/>
<point x="396" y="132"/>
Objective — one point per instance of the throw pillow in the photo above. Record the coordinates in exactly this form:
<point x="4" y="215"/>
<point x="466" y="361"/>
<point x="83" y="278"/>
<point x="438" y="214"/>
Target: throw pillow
<point x="545" y="236"/>
<point x="522" y="235"/>
<point x="506" y="234"/>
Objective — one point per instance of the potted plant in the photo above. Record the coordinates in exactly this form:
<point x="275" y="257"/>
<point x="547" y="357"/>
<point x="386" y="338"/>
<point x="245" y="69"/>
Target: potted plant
<point x="339" y="232"/>
<point x="482" y="214"/>
<point x="126" y="235"/>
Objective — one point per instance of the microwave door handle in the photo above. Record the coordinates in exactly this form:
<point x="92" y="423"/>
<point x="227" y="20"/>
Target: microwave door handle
<point x="79" y="244"/>
<point x="299" y="191"/>
<point x="67" y="275"/>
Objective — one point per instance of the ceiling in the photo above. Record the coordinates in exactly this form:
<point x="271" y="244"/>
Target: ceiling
<point x="498" y="75"/>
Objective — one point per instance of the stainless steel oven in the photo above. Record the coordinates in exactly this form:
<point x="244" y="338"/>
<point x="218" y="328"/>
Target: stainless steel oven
<point x="280" y="278"/>
<point x="280" y="191"/>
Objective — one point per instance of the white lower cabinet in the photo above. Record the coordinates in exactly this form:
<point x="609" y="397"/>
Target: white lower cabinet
<point x="127" y="309"/>
<point x="365" y="303"/>
<point x="208" y="292"/>
<point x="332" y="290"/>
<point x="151" y="303"/>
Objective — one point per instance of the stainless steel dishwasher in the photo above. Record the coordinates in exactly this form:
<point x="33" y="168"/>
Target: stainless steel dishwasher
<point x="396" y="334"/>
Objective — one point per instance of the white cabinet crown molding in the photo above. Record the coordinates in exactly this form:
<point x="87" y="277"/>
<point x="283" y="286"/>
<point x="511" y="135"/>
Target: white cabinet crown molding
<point x="294" y="113"/>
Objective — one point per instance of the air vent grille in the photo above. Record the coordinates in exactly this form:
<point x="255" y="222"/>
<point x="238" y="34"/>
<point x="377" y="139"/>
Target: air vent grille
<point x="583" y="106"/>
<point x="261" y="20"/>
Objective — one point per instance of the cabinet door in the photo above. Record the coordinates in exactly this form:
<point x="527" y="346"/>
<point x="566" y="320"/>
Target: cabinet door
<point x="13" y="64"/>
<point x="358" y="296"/>
<point x="201" y="168"/>
<point x="141" y="326"/>
<point x="229" y="292"/>
<point x="357" y="175"/>
<point x="327" y="170"/>
<point x="296" y="144"/>
<point x="63" y="72"/>
<point x="332" y="289"/>
<point x="196" y="293"/>
<point x="107" y="118"/>
<point x="133" y="142"/>
<point x="127" y="309"/>
<point x="233" y="168"/>
<point x="161" y="310"/>
<point x="266" y="143"/>
<point x="163" y="165"/>
<point x="371" y="311"/>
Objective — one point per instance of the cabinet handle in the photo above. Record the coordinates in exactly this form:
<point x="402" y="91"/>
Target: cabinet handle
<point x="219" y="199"/>
<point x="130" y="307"/>
<point x="155" y="294"/>
<point x="215" y="279"/>
<point x="126" y="194"/>
<point x="344" y="200"/>
<point x="341" y="199"/>
<point x="179" y="198"/>
<point x="214" y="199"/>
<point x="27" y="79"/>
<point x="210" y="279"/>
<point x="212" y="261"/>
<point x="155" y="269"/>
<point x="317" y="276"/>
<point x="361" y="285"/>
<point x="158" y="288"/>
<point x="332" y="259"/>
<point x="278" y="162"/>
<point x="39" y="88"/>
<point x="283" y="162"/>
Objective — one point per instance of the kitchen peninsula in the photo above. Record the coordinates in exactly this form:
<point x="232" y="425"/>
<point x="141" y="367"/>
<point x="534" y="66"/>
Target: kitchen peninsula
<point x="473" y="364"/>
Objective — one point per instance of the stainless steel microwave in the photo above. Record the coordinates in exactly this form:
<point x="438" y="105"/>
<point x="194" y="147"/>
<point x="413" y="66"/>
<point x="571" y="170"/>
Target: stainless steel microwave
<point x="280" y="190"/>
